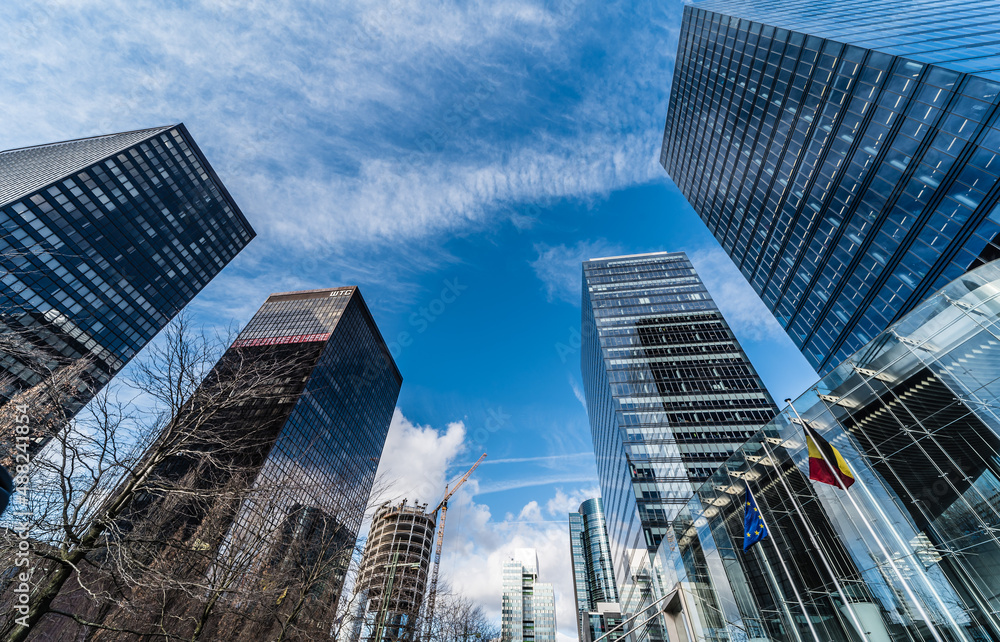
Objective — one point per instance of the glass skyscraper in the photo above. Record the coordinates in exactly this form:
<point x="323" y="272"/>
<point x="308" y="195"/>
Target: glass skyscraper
<point x="310" y="452"/>
<point x="593" y="575"/>
<point x="527" y="607"/>
<point x="843" y="154"/>
<point x="670" y="395"/>
<point x="910" y="551"/>
<point x="103" y="241"/>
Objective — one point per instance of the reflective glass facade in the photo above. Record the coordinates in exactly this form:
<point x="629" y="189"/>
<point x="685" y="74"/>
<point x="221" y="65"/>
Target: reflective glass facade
<point x="670" y="395"/>
<point x="102" y="241"/>
<point x="593" y="576"/>
<point x="910" y="551"/>
<point x="332" y="438"/>
<point x="964" y="35"/>
<point x="847" y="184"/>
<point x="319" y="442"/>
<point x="528" y="607"/>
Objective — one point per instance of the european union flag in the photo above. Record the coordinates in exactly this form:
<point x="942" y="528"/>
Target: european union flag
<point x="753" y="524"/>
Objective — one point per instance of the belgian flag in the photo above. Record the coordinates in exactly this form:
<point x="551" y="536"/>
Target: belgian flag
<point x="826" y="464"/>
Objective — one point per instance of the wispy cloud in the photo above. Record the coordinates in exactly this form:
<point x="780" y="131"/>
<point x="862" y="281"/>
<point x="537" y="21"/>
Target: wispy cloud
<point x="372" y="122"/>
<point x="542" y="459"/>
<point x="577" y="391"/>
<point x="740" y="305"/>
<point x="532" y="482"/>
<point x="560" y="267"/>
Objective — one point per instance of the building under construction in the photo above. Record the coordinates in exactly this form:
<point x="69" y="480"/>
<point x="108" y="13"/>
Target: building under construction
<point x="394" y="571"/>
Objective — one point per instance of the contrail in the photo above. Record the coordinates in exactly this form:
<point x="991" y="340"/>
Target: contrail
<point x="521" y="460"/>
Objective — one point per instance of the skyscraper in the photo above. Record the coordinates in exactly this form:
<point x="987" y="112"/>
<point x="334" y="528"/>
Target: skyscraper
<point x="593" y="577"/>
<point x="104" y="240"/>
<point x="843" y="154"/>
<point x="528" y="607"/>
<point x="306" y="453"/>
<point x="670" y="395"/>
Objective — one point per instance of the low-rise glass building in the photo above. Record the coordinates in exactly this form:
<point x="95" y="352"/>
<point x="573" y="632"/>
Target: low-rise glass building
<point x="911" y="550"/>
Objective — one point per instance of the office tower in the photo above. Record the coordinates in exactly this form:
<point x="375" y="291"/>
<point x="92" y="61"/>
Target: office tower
<point x="280" y="481"/>
<point x="909" y="550"/>
<point x="843" y="154"/>
<point x="528" y="607"/>
<point x="593" y="577"/>
<point x="393" y="577"/>
<point x="104" y="240"/>
<point x="670" y="395"/>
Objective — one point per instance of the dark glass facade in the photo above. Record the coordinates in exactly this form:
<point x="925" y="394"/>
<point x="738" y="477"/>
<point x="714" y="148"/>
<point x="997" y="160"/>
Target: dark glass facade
<point x="910" y="551"/>
<point x="319" y="441"/>
<point x="847" y="183"/>
<point x="670" y="395"/>
<point x="958" y="34"/>
<point x="103" y="241"/>
<point x="593" y="575"/>
<point x="332" y="438"/>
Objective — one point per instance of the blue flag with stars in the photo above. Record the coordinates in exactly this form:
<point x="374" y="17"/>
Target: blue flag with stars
<point x="753" y="525"/>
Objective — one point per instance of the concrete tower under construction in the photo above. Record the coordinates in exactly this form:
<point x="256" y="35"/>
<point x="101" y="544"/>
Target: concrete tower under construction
<point x="394" y="570"/>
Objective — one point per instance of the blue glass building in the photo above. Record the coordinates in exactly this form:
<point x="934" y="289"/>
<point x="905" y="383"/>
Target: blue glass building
<point x="103" y="241"/>
<point x="957" y="34"/>
<point x="670" y="396"/>
<point x="910" y="551"/>
<point x="593" y="575"/>
<point x="843" y="154"/>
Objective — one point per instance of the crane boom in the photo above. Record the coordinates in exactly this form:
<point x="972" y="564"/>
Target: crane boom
<point x="443" y="507"/>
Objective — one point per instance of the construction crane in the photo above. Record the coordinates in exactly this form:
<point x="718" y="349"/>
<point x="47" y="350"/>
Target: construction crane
<point x="443" y="507"/>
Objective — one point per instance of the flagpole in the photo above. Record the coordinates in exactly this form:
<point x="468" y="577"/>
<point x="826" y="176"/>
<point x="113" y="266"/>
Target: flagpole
<point x="871" y="531"/>
<point x="816" y="544"/>
<point x="791" y="582"/>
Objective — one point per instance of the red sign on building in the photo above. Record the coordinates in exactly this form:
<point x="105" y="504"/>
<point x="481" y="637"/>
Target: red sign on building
<point x="270" y="341"/>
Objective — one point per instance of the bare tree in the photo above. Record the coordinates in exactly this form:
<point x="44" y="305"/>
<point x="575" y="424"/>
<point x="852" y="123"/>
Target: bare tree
<point x="128" y="492"/>
<point x="459" y="619"/>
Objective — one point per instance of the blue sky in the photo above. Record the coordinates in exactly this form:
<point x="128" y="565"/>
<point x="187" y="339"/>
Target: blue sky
<point x="480" y="150"/>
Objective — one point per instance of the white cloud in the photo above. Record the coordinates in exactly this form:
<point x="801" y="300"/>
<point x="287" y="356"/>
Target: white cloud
<point x="530" y="513"/>
<point x="560" y="267"/>
<point x="415" y="459"/>
<point x="420" y="457"/>
<point x="742" y="307"/>
<point x="564" y="503"/>
<point x="476" y="545"/>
